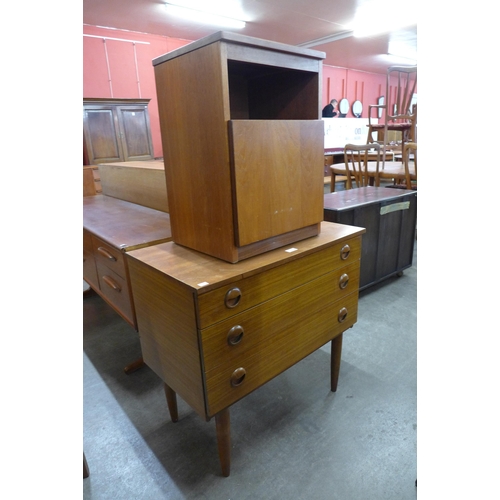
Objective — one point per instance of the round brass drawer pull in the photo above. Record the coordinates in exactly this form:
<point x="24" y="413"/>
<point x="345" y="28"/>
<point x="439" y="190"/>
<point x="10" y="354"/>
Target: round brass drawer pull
<point x="342" y="315"/>
<point x="344" y="253"/>
<point x="238" y="376"/>
<point x="235" y="335"/>
<point x="232" y="298"/>
<point x="343" y="281"/>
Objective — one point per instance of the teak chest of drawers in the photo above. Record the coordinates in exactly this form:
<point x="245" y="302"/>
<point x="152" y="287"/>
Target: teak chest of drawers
<point x="112" y="227"/>
<point x="215" y="331"/>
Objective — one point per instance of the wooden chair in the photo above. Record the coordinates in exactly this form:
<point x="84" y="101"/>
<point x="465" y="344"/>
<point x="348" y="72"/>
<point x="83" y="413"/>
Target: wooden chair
<point x="361" y="165"/>
<point x="410" y="175"/>
<point x="399" y="114"/>
<point x="403" y="174"/>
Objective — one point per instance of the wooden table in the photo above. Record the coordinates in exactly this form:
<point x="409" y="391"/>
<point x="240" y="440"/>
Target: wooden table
<point x="112" y="227"/>
<point x="215" y="331"/>
<point x="390" y="218"/>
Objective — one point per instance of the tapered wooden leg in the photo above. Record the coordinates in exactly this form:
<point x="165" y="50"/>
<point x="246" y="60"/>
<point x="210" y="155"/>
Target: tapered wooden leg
<point x="171" y="402"/>
<point x="86" y="472"/>
<point x="135" y="365"/>
<point x="335" y="361"/>
<point x="223" y="426"/>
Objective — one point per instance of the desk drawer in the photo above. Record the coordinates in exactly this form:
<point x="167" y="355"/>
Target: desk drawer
<point x="109" y="256"/>
<point x="237" y="377"/>
<point x="116" y="292"/>
<point x="225" y="302"/>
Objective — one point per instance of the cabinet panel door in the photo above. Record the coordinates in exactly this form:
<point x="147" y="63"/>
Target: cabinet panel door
<point x="102" y="137"/>
<point x="277" y="176"/>
<point x="136" y="134"/>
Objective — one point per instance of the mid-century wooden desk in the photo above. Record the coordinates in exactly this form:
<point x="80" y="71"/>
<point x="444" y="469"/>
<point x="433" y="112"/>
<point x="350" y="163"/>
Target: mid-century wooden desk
<point x="112" y="227"/>
<point x="215" y="331"/>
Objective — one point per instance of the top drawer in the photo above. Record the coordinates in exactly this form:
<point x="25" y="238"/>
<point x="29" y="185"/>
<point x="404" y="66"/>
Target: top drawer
<point x="109" y="256"/>
<point x="226" y="301"/>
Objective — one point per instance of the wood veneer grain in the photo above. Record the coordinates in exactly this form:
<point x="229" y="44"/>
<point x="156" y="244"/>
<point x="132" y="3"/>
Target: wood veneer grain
<point x="168" y="334"/>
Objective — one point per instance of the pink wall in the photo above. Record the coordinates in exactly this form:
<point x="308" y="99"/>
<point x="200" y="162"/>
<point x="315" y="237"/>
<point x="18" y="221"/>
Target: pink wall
<point x="131" y="73"/>
<point x="353" y="85"/>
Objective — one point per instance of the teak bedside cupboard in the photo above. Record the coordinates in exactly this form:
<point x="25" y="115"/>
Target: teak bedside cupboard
<point x="243" y="143"/>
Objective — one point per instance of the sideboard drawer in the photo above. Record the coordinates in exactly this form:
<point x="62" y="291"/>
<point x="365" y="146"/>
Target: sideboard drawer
<point x="245" y="293"/>
<point x="115" y="289"/>
<point x="109" y="256"/>
<point x="235" y="378"/>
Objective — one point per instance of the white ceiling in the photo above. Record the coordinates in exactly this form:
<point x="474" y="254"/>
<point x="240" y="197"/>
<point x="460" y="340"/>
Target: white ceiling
<point x="295" y="22"/>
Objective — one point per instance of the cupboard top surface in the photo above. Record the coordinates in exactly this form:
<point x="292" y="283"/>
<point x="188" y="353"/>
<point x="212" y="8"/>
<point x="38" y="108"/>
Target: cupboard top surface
<point x="203" y="273"/>
<point x="235" y="38"/>
<point x="352" y="198"/>
<point x="125" y="225"/>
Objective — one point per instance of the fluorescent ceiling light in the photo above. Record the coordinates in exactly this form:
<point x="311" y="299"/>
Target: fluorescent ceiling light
<point x="198" y="12"/>
<point x="381" y="16"/>
<point x="403" y="50"/>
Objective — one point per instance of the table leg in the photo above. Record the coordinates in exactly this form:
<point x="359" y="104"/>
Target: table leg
<point x="223" y="427"/>
<point x="171" y="402"/>
<point x="335" y="361"/>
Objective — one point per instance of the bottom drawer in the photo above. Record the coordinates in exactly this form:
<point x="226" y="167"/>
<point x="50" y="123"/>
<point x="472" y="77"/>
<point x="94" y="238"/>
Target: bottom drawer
<point x="115" y="291"/>
<point x="227" y="384"/>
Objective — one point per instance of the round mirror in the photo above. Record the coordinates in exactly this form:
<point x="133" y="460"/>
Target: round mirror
<point x="343" y="107"/>
<point x="357" y="109"/>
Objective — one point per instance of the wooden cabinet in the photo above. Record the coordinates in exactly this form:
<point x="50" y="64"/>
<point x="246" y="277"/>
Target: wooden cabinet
<point x="242" y="142"/>
<point x="112" y="227"/>
<point x="389" y="217"/>
<point x="116" y="130"/>
<point x="215" y="331"/>
<point x="141" y="182"/>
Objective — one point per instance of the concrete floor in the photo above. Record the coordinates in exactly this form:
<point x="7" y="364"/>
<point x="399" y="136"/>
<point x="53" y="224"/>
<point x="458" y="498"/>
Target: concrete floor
<point x="292" y="438"/>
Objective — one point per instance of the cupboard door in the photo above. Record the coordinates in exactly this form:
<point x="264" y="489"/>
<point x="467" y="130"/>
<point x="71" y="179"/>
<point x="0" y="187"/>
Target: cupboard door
<point x="277" y="176"/>
<point x="102" y="135"/>
<point x="116" y="130"/>
<point x="135" y="133"/>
